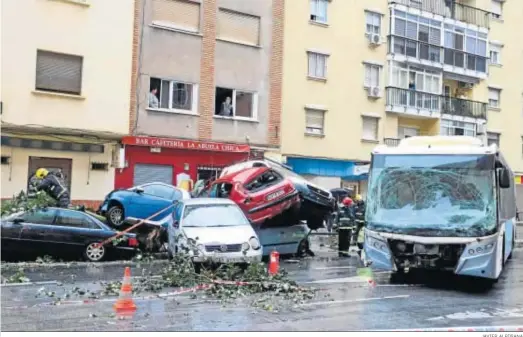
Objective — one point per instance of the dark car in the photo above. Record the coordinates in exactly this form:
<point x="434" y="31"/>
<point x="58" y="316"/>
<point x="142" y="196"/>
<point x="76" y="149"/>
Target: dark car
<point x="316" y="203"/>
<point x="62" y="232"/>
<point x="140" y="202"/>
<point x="261" y="192"/>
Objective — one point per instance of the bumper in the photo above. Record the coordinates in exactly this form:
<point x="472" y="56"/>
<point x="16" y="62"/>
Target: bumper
<point x="226" y="258"/>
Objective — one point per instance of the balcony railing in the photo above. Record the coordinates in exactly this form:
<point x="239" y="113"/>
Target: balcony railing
<point x="398" y="97"/>
<point x="424" y="51"/>
<point x="450" y="9"/>
<point x="391" y="141"/>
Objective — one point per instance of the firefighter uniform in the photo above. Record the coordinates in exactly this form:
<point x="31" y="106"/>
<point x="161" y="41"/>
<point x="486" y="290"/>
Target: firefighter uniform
<point x="53" y="184"/>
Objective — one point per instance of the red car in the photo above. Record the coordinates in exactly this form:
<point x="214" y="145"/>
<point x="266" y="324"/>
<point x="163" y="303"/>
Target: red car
<point x="261" y="193"/>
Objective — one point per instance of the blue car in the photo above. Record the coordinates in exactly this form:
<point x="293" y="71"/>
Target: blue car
<point x="140" y="202"/>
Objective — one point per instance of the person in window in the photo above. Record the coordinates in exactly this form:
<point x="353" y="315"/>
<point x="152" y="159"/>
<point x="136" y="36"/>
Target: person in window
<point x="54" y="186"/>
<point x="153" y="99"/>
<point x="226" y="108"/>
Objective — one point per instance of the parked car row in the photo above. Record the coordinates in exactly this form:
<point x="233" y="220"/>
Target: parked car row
<point x="250" y="201"/>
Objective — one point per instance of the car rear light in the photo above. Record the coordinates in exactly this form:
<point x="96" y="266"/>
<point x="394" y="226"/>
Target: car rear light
<point x="132" y="242"/>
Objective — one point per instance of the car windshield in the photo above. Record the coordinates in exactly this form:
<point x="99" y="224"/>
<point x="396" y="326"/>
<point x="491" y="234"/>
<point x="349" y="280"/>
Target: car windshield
<point x="284" y="171"/>
<point x="432" y="195"/>
<point x="213" y="216"/>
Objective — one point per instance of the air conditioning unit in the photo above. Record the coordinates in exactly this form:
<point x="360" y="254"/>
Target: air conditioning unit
<point x="374" y="92"/>
<point x="481" y="129"/>
<point x="374" y="39"/>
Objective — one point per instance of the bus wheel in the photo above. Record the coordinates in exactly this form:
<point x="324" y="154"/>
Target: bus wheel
<point x="513" y="244"/>
<point x="503" y="253"/>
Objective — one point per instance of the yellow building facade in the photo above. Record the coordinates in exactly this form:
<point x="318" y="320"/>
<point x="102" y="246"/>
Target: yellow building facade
<point x="359" y="73"/>
<point x="65" y="91"/>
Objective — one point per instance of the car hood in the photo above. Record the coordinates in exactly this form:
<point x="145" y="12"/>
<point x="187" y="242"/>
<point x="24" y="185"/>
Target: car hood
<point x="220" y="235"/>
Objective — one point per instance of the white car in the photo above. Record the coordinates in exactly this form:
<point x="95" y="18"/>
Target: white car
<point x="212" y="229"/>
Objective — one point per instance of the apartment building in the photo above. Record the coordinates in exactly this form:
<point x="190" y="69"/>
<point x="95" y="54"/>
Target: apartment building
<point x="66" y="83"/>
<point x="360" y="73"/>
<point x="208" y="88"/>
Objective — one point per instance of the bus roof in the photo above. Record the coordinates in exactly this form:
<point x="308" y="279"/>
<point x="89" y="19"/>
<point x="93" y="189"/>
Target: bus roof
<point x="437" y="145"/>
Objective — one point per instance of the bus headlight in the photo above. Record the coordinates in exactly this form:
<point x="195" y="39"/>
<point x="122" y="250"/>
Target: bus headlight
<point x="484" y="249"/>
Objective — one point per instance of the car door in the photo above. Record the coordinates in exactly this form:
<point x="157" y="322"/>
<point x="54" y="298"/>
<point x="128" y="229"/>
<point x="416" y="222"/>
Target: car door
<point x="154" y="198"/>
<point x="10" y="235"/>
<point x="174" y="228"/>
<point x="73" y="231"/>
<point x="262" y="193"/>
<point x="36" y="229"/>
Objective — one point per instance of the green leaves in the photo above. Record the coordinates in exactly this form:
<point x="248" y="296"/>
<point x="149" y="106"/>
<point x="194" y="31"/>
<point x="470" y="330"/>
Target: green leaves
<point x="22" y="203"/>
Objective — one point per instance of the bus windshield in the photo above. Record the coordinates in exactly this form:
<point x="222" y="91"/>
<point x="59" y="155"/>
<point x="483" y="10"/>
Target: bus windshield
<point x="432" y="195"/>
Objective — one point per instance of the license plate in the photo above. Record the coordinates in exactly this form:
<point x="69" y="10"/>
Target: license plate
<point x="230" y="260"/>
<point x="275" y="195"/>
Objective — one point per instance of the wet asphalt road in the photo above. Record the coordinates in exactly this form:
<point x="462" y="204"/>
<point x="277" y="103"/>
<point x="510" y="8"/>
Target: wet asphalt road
<point x="345" y="301"/>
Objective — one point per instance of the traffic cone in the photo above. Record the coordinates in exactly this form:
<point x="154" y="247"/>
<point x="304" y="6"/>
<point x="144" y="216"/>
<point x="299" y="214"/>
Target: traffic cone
<point x="125" y="304"/>
<point x="274" y="263"/>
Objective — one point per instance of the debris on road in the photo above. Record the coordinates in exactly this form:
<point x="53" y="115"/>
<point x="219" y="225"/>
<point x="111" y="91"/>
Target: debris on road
<point x="18" y="277"/>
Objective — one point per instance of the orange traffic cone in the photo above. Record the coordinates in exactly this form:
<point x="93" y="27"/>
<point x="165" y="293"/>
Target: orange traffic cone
<point x="125" y="304"/>
<point x="274" y="263"/>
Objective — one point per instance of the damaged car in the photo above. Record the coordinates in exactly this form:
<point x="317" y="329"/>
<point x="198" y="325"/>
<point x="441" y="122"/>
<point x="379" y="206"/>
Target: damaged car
<point x="317" y="203"/>
<point x="62" y="233"/>
<point x="261" y="192"/>
<point x="141" y="202"/>
<point x="215" y="230"/>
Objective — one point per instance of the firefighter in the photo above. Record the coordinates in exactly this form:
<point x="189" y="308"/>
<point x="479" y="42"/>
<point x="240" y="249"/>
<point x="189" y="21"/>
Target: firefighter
<point x="53" y="184"/>
<point x="359" y="214"/>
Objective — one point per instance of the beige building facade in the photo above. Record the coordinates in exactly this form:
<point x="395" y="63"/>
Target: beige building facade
<point x="361" y="73"/>
<point x="65" y="91"/>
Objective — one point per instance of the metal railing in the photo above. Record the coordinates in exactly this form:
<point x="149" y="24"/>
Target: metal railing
<point x="464" y="107"/>
<point x="424" y="51"/>
<point x="406" y="98"/>
<point x="450" y="9"/>
<point x="391" y="141"/>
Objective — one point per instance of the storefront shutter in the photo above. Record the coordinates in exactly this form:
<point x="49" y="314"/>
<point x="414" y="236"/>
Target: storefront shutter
<point x="180" y="13"/>
<point x="238" y="27"/>
<point x="58" y="72"/>
<point x="150" y="173"/>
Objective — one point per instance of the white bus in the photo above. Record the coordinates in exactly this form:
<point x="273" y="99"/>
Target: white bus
<point x="440" y="202"/>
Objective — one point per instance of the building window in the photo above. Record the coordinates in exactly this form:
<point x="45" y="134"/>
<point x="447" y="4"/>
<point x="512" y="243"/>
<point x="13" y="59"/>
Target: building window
<point x="319" y="10"/>
<point x="314" y="122"/>
<point x="497" y="9"/>
<point x="57" y="72"/>
<point x="235" y="103"/>
<point x="416" y="79"/>
<point x="465" y="48"/>
<point x="373" y="22"/>
<point x="238" y="27"/>
<point x="317" y="65"/>
<point x="369" y="128"/>
<point x="495" y="54"/>
<point x="178" y="14"/>
<point x="372" y="75"/>
<point x="494" y="96"/>
<point x="492" y="138"/>
<point x="456" y="128"/>
<point x="172" y="95"/>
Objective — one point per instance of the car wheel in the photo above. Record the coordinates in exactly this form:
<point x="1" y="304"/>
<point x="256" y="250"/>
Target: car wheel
<point x="115" y="216"/>
<point x="303" y="248"/>
<point x="94" y="253"/>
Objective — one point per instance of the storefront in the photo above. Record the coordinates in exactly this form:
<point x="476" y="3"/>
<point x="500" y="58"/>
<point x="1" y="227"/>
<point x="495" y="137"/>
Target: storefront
<point x="150" y="159"/>
<point x="329" y="173"/>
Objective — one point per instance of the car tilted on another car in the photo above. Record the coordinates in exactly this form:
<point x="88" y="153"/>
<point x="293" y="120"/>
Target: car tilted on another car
<point x="316" y="203"/>
<point x="62" y="233"/>
<point x="140" y="202"/>
<point x="261" y="192"/>
<point x="213" y="230"/>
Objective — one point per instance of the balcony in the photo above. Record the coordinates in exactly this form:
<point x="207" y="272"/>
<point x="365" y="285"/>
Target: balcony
<point x="449" y="9"/>
<point x="454" y="61"/>
<point x="423" y="104"/>
<point x="391" y="141"/>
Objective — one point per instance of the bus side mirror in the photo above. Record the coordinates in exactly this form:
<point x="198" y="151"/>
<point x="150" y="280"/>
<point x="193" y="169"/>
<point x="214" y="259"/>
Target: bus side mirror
<point x="504" y="178"/>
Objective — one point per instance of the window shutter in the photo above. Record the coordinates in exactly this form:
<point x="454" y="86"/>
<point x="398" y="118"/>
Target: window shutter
<point x="399" y="27"/>
<point x="238" y="27"/>
<point x="369" y="129"/>
<point x="493" y="94"/>
<point x="185" y="14"/>
<point x="58" y="72"/>
<point x="314" y="119"/>
<point x="412" y="30"/>
<point x="496" y="7"/>
<point x="435" y="36"/>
